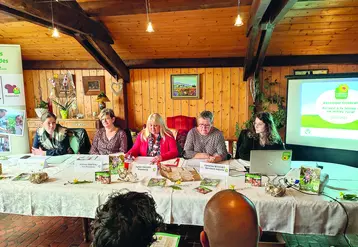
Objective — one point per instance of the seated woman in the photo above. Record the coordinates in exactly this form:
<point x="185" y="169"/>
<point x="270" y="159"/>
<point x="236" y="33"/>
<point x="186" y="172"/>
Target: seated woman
<point x="51" y="139"/>
<point x="205" y="141"/>
<point x="155" y="140"/>
<point x="263" y="136"/>
<point x="110" y="139"/>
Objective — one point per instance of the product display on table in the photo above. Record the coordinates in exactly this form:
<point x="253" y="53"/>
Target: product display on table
<point x="210" y="182"/>
<point x="202" y="190"/>
<point x="179" y="173"/>
<point x="157" y="182"/>
<point x="104" y="177"/>
<point x="38" y="178"/>
<point x="116" y="162"/>
<point x="127" y="176"/>
<point x="310" y="179"/>
<point x="253" y="179"/>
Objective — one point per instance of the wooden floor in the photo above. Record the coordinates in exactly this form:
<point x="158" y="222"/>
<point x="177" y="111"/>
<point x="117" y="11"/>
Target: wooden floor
<point x="17" y="230"/>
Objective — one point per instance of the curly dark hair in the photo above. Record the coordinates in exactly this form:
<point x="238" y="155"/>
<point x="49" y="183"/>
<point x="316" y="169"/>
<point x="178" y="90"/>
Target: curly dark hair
<point x="270" y="127"/>
<point x="126" y="219"/>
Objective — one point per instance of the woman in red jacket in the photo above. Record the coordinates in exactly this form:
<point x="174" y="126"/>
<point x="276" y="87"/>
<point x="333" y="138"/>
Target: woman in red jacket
<point x="155" y="140"/>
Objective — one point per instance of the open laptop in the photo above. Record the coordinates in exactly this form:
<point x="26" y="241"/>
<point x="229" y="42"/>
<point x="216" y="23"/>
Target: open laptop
<point x="270" y="162"/>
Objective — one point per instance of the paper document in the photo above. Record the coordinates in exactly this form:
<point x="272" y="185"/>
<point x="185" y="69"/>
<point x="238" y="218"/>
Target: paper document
<point x="58" y="159"/>
<point x="166" y="240"/>
<point x="244" y="162"/>
<point x="143" y="160"/>
<point x="195" y="163"/>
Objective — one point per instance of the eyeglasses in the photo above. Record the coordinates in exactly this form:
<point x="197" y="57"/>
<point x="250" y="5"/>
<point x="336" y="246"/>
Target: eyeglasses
<point x="206" y="126"/>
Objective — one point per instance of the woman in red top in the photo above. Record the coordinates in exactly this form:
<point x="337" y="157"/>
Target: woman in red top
<point x="155" y="140"/>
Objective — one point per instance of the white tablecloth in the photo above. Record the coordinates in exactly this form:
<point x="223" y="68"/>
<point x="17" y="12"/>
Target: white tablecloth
<point x="294" y="213"/>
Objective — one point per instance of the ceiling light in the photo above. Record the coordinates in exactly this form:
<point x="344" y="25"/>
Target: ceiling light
<point x="149" y="26"/>
<point x="55" y="33"/>
<point x="238" y="21"/>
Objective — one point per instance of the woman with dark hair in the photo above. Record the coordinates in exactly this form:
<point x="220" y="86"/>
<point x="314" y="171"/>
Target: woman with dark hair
<point x="51" y="139"/>
<point x="262" y="136"/>
<point x="110" y="139"/>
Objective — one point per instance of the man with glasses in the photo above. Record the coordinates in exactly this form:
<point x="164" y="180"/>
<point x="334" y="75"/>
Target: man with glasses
<point x="205" y="141"/>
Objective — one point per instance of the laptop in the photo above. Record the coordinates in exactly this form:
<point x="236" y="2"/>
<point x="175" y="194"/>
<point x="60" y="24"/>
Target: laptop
<point x="270" y="162"/>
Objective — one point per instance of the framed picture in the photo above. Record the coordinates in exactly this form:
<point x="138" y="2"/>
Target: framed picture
<point x="311" y="72"/>
<point x="61" y="88"/>
<point x="185" y="86"/>
<point x="93" y="85"/>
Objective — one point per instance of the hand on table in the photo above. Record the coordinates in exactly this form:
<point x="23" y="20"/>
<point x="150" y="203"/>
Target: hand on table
<point x="214" y="159"/>
<point x="38" y="151"/>
<point x="157" y="159"/>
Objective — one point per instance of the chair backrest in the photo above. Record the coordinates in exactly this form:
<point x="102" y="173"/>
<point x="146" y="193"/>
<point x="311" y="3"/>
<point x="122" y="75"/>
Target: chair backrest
<point x="122" y="124"/>
<point x="79" y="140"/>
<point x="181" y="122"/>
<point x="182" y="125"/>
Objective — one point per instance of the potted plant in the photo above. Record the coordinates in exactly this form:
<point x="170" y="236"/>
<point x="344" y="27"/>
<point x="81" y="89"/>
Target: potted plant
<point x="64" y="107"/>
<point x="41" y="107"/>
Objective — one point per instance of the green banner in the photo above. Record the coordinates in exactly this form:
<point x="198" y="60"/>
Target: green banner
<point x="10" y="59"/>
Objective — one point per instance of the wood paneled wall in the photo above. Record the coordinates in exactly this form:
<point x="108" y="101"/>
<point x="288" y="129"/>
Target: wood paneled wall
<point x="279" y="73"/>
<point x="35" y="79"/>
<point x="222" y="91"/>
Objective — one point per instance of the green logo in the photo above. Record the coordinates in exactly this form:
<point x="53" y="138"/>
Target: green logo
<point x="342" y="91"/>
<point x="16" y="90"/>
<point x="286" y="155"/>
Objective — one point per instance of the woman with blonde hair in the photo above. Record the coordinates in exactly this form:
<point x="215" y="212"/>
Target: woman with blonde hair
<point x="155" y="140"/>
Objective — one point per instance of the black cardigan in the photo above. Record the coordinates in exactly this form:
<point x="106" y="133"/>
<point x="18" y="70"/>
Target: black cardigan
<point x="245" y="144"/>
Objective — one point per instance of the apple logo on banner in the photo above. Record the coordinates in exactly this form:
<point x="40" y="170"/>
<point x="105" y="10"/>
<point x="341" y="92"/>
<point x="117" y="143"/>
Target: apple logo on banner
<point x="12" y="89"/>
<point x="339" y="106"/>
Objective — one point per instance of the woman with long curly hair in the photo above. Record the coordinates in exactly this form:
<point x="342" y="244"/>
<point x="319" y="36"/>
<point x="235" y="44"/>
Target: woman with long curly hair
<point x="262" y="136"/>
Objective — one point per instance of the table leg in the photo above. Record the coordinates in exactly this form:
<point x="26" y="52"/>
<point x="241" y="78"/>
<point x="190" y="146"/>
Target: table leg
<point x="85" y="227"/>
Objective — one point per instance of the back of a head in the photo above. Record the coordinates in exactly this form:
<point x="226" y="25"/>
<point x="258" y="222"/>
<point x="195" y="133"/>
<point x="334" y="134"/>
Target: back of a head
<point x="230" y="220"/>
<point x="126" y="219"/>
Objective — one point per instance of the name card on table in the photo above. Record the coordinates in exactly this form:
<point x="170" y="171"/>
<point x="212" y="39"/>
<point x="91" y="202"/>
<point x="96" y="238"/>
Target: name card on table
<point x="143" y="170"/>
<point x="33" y="163"/>
<point x="88" y="163"/>
<point x="214" y="169"/>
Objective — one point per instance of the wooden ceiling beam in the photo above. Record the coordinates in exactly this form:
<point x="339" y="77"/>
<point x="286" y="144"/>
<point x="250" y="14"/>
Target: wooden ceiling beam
<point x="264" y="16"/>
<point x="72" y="20"/>
<point x="270" y="61"/>
<point x="125" y="7"/>
<point x="104" y="54"/>
<point x="66" y="18"/>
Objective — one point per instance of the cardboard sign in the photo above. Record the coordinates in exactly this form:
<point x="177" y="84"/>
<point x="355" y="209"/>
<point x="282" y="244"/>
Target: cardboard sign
<point x="214" y="169"/>
<point x="144" y="170"/>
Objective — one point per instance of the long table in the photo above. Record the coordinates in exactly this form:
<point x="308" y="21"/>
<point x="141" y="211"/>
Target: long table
<point x="293" y="213"/>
